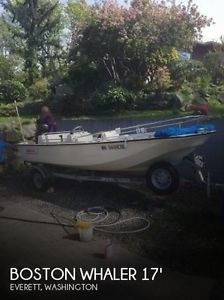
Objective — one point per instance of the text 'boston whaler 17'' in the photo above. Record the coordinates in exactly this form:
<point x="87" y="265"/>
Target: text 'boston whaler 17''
<point x="150" y="150"/>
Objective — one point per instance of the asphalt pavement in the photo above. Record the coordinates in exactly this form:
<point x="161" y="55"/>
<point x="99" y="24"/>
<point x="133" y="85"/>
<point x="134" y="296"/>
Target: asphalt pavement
<point x="213" y="151"/>
<point x="36" y="244"/>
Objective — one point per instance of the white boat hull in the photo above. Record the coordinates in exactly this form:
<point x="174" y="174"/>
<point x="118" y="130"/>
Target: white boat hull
<point x="132" y="156"/>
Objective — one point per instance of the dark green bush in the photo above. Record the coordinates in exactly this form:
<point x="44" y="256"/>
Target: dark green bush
<point x="119" y="98"/>
<point x="70" y="105"/>
<point x="6" y="68"/>
<point x="84" y="79"/>
<point x="11" y="91"/>
<point x="213" y="62"/>
<point x="116" y="99"/>
<point x="39" y="89"/>
<point x="25" y="108"/>
<point x="186" y="71"/>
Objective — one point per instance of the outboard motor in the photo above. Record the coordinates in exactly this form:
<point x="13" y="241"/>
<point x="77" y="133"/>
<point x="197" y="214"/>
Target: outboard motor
<point x="40" y="128"/>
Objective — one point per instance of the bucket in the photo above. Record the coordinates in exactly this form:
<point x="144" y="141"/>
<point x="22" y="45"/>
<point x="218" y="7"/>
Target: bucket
<point x="85" y="230"/>
<point x="86" y="235"/>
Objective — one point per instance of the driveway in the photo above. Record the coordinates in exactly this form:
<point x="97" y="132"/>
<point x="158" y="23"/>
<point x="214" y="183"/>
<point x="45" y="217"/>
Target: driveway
<point x="35" y="244"/>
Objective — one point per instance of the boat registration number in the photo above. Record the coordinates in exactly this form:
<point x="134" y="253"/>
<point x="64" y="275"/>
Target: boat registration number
<point x="113" y="147"/>
<point x="31" y="150"/>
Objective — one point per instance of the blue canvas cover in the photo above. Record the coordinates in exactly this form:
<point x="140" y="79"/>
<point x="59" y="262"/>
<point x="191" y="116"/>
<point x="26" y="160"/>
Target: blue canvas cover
<point x="176" y="131"/>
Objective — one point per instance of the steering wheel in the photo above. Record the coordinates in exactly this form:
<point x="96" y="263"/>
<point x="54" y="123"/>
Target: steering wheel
<point x="77" y="129"/>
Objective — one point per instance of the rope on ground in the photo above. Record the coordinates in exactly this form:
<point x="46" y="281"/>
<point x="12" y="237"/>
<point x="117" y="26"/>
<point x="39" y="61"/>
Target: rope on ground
<point x="97" y="214"/>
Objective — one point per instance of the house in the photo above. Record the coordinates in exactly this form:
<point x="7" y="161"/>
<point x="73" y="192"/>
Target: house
<point x="200" y="49"/>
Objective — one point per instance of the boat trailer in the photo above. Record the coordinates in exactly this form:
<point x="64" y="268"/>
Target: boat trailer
<point x="42" y="176"/>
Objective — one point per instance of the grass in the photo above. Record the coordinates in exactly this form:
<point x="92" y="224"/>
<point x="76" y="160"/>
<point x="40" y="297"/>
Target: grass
<point x="14" y="120"/>
<point x="216" y="111"/>
<point x="146" y="114"/>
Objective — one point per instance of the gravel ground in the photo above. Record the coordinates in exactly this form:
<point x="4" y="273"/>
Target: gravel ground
<point x="186" y="232"/>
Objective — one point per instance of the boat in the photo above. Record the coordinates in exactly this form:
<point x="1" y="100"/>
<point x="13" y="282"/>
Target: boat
<point x="135" y="150"/>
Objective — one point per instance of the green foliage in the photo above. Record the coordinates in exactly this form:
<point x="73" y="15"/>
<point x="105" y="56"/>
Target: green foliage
<point x="39" y="89"/>
<point x="216" y="92"/>
<point x="214" y="63"/>
<point x="216" y="108"/>
<point x="78" y="11"/>
<point x="71" y="105"/>
<point x="11" y="68"/>
<point x="84" y="78"/>
<point x="11" y="91"/>
<point x="8" y="109"/>
<point x="115" y="98"/>
<point x="162" y="80"/>
<point x="7" y="41"/>
<point x="105" y="55"/>
<point x="27" y="109"/>
<point x="131" y="43"/>
<point x="187" y="71"/>
<point x="202" y="84"/>
<point x="197" y="91"/>
<point x="36" y="25"/>
<point x="6" y="68"/>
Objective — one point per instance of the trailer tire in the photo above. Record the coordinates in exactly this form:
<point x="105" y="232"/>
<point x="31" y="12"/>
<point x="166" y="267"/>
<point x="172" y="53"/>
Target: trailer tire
<point x="39" y="180"/>
<point x="162" y="178"/>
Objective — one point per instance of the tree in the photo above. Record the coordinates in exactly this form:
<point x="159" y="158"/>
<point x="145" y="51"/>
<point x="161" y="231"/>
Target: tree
<point x="6" y="68"/>
<point x="52" y="56"/>
<point x="187" y="71"/>
<point x="78" y="16"/>
<point x="34" y="23"/>
<point x="6" y="39"/>
<point x="132" y="43"/>
<point x="214" y="63"/>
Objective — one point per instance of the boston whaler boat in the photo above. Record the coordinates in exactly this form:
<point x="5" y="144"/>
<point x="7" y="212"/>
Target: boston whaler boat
<point x="150" y="151"/>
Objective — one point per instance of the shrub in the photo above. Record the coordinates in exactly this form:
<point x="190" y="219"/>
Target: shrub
<point x="216" y="92"/>
<point x="115" y="98"/>
<point x="70" y="105"/>
<point x="6" y="68"/>
<point x="199" y="91"/>
<point x="214" y="63"/>
<point x="11" y="91"/>
<point x="84" y="79"/>
<point x="162" y="81"/>
<point x="39" y="89"/>
<point x="186" y="71"/>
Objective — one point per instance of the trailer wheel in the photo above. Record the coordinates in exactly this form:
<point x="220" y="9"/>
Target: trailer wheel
<point x="40" y="182"/>
<point x="162" y="178"/>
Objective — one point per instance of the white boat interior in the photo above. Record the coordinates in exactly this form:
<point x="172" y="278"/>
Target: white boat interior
<point x="142" y="131"/>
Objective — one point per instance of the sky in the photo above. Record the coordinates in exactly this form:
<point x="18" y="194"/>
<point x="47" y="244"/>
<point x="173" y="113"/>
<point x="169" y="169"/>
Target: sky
<point x="213" y="9"/>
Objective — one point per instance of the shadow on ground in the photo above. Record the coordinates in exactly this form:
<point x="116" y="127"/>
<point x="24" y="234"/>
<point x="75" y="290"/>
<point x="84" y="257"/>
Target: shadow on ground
<point x="186" y="233"/>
